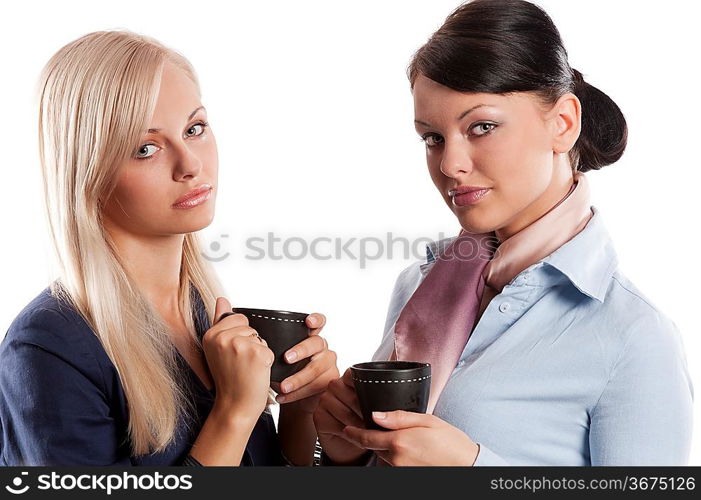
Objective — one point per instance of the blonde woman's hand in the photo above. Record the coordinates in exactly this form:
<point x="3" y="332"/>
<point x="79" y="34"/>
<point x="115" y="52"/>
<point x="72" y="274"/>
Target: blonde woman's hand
<point x="338" y="408"/>
<point x="303" y="389"/>
<point x="240" y="364"/>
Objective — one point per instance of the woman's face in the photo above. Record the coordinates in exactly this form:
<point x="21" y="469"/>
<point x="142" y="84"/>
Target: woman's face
<point x="177" y="155"/>
<point x="509" y="144"/>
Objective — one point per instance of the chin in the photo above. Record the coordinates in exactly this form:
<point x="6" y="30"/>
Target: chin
<point x="189" y="229"/>
<point x="475" y="221"/>
<point x="195" y="222"/>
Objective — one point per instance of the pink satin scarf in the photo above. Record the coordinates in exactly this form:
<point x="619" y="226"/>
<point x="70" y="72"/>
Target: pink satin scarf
<point x="435" y="324"/>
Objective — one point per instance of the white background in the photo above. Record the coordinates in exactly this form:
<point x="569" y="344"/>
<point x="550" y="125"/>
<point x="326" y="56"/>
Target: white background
<point x="313" y="116"/>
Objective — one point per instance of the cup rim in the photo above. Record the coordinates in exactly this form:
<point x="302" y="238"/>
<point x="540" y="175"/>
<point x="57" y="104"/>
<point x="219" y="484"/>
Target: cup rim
<point x="270" y="312"/>
<point x="415" y="365"/>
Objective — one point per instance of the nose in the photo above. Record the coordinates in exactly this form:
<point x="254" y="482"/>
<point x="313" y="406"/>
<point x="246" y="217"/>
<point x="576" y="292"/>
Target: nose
<point x="188" y="164"/>
<point x="455" y="161"/>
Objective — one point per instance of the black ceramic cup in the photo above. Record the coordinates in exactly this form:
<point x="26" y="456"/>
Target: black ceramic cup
<point x="391" y="385"/>
<point x="281" y="330"/>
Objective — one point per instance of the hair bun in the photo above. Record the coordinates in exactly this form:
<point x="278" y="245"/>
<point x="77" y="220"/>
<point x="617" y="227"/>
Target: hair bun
<point x="604" y="133"/>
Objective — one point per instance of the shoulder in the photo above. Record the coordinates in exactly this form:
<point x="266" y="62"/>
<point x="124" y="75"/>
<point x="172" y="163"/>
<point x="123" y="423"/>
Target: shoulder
<point x="641" y="333"/>
<point x="49" y="326"/>
<point x="635" y="309"/>
<point x="50" y="322"/>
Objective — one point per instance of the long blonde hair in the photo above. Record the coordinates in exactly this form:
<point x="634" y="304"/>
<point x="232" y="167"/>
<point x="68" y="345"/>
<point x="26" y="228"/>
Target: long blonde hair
<point x="96" y="96"/>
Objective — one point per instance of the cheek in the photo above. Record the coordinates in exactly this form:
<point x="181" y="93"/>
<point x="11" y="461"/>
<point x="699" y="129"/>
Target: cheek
<point x="211" y="162"/>
<point x="519" y="162"/>
<point x="434" y="167"/>
<point x="140" y="191"/>
<point x="433" y="162"/>
<point x="208" y="155"/>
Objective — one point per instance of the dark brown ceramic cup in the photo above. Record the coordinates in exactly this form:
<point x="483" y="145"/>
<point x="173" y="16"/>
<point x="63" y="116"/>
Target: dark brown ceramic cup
<point x="281" y="330"/>
<point x="391" y="385"/>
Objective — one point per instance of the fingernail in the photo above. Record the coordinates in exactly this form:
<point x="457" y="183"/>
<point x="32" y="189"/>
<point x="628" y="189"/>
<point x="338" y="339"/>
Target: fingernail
<point x="280" y="399"/>
<point x="291" y="356"/>
<point x="379" y="415"/>
<point x="286" y="387"/>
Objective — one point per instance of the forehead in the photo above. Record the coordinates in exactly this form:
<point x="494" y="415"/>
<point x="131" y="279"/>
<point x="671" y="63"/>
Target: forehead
<point x="433" y="101"/>
<point x="177" y="94"/>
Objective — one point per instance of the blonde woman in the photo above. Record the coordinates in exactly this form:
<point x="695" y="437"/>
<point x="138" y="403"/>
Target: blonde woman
<point x="121" y="361"/>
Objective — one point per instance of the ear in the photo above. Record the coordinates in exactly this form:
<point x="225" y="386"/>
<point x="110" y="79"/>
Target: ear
<point x="566" y="122"/>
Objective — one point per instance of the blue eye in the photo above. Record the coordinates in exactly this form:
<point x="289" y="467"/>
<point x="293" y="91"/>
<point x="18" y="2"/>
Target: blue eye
<point x="143" y="151"/>
<point x="201" y="126"/>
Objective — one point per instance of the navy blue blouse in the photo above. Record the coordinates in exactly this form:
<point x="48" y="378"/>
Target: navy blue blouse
<point x="62" y="402"/>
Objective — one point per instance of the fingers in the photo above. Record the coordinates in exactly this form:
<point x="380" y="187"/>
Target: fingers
<point x="311" y="380"/>
<point x="370" y="439"/>
<point x="229" y="319"/>
<point x="320" y="364"/>
<point x="308" y="347"/>
<point x="346" y="395"/>
<point x="316" y="322"/>
<point x="243" y="344"/>
<point x="221" y="307"/>
<point x="258" y="338"/>
<point x="243" y="340"/>
<point x="327" y="424"/>
<point x="310" y="389"/>
<point x="347" y="379"/>
<point x="400" y="419"/>
<point x="340" y="411"/>
<point x="228" y="332"/>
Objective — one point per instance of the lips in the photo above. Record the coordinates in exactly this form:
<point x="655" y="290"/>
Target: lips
<point x="465" y="189"/>
<point x="463" y="196"/>
<point x="202" y="188"/>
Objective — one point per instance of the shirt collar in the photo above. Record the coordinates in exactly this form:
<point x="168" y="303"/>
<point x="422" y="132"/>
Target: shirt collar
<point x="434" y="249"/>
<point x="588" y="260"/>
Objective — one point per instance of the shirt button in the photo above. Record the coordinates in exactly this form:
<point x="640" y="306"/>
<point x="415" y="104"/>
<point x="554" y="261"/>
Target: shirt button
<point x="504" y="306"/>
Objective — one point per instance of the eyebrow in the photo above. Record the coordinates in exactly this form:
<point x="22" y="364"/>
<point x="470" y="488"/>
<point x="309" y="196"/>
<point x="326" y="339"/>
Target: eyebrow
<point x="462" y="115"/>
<point x="156" y="130"/>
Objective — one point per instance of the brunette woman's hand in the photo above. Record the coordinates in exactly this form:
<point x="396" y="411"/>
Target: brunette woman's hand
<point x="414" y="439"/>
<point x="303" y="389"/>
<point x="240" y="363"/>
<point x="338" y="408"/>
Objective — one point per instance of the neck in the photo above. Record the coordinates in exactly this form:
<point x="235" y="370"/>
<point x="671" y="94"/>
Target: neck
<point x="559" y="186"/>
<point x="154" y="263"/>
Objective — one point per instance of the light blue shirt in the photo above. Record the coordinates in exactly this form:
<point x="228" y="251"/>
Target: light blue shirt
<point x="569" y="365"/>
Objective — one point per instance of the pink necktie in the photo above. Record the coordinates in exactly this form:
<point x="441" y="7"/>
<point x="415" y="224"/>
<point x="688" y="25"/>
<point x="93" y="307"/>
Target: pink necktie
<point x="435" y="324"/>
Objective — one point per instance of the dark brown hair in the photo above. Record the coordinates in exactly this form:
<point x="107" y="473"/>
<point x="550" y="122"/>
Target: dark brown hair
<point x="504" y="46"/>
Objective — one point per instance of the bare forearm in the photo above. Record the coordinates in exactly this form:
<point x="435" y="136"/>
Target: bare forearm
<point x="223" y="437"/>
<point x="297" y="434"/>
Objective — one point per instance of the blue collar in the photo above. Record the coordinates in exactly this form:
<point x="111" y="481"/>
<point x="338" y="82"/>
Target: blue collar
<point x="589" y="259"/>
